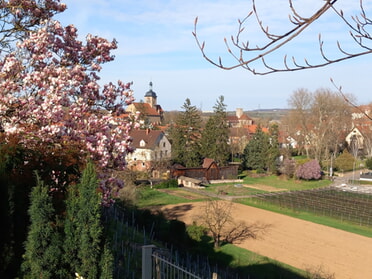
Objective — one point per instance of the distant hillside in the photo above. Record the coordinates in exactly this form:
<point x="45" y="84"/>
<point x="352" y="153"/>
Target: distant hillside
<point x="264" y="114"/>
<point x="268" y="114"/>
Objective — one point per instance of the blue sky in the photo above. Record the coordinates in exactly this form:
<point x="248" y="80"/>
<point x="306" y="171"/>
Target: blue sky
<point x="156" y="44"/>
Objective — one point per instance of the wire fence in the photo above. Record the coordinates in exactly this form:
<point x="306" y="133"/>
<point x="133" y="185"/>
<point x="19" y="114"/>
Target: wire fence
<point x="127" y="245"/>
<point x="331" y="202"/>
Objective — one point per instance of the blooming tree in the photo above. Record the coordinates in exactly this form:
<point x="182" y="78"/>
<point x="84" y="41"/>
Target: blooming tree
<point x="309" y="170"/>
<point x="50" y="98"/>
<point x="18" y="17"/>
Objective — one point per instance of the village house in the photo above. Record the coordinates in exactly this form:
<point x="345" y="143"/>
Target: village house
<point x="240" y="119"/>
<point x="208" y="171"/>
<point x="359" y="139"/>
<point x="241" y="130"/>
<point x="151" y="147"/>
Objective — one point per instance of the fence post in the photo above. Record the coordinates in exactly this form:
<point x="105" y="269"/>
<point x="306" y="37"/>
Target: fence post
<point x="147" y="261"/>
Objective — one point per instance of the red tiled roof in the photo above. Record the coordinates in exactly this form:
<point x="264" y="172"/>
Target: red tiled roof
<point x="235" y="118"/>
<point x="146" y="109"/>
<point x="151" y="138"/>
<point x="252" y="129"/>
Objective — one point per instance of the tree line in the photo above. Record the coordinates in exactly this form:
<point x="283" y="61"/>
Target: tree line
<point x="192" y="141"/>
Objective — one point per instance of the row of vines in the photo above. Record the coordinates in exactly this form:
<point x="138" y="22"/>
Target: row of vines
<point x="331" y="202"/>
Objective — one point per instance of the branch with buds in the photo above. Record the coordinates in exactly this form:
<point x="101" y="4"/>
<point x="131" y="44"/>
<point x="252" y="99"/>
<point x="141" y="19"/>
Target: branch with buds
<point x="245" y="55"/>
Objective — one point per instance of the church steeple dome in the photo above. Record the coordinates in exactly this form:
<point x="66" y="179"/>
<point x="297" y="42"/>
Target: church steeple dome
<point x="150" y="96"/>
<point x="150" y="93"/>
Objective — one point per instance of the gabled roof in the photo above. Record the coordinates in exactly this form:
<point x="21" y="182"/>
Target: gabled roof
<point x="252" y="129"/>
<point x="234" y="118"/>
<point x="146" y="109"/>
<point x="150" y="138"/>
<point x="207" y="162"/>
<point x="363" y="129"/>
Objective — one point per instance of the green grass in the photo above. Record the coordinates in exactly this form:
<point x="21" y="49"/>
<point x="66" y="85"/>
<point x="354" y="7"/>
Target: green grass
<point x="289" y="184"/>
<point x="272" y="181"/>
<point x="259" y="266"/>
<point x="152" y="197"/>
<point x="231" y="190"/>
<point x="308" y="216"/>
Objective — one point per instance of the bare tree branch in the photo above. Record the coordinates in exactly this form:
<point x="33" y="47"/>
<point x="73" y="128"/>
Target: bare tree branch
<point x="347" y="100"/>
<point x="245" y="55"/>
<point x="217" y="217"/>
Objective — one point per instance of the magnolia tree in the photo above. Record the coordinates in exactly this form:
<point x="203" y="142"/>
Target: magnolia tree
<point x="20" y="16"/>
<point x="50" y="98"/>
<point x="309" y="171"/>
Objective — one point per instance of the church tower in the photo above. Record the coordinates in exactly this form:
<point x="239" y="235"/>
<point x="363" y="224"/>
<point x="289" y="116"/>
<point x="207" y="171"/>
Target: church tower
<point x="150" y="97"/>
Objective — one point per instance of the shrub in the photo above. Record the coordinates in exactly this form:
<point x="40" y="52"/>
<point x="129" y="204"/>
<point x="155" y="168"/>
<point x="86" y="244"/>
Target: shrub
<point x="309" y="171"/>
<point x="196" y="232"/>
<point x="170" y="183"/>
<point x="344" y="162"/>
<point x="288" y="167"/>
<point x="369" y="163"/>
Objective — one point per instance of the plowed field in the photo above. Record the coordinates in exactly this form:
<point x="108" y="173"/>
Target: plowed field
<point x="299" y="243"/>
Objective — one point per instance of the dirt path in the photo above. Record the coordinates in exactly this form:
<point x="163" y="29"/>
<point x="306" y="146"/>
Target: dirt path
<point x="298" y="243"/>
<point x="264" y="187"/>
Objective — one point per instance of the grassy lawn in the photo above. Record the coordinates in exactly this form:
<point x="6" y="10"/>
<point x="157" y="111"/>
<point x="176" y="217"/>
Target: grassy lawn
<point x="283" y="183"/>
<point x="152" y="197"/>
<point x="264" y="184"/>
<point x="232" y="190"/>
<point x="259" y="266"/>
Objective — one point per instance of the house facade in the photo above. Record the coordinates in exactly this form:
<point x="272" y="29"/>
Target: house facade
<point x="151" y="147"/>
<point x="359" y="139"/>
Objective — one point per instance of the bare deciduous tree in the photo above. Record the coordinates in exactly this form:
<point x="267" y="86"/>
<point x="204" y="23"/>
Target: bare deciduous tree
<point x="217" y="217"/>
<point x="319" y="121"/>
<point x="246" y="53"/>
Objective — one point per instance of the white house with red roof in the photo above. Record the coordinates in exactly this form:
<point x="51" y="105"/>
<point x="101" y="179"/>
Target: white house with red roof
<point x="151" y="146"/>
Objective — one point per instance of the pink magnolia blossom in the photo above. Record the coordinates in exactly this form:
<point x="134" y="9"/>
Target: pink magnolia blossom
<point x="51" y="95"/>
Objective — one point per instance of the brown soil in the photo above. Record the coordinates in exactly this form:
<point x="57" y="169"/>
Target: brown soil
<point x="264" y="187"/>
<point x="299" y="243"/>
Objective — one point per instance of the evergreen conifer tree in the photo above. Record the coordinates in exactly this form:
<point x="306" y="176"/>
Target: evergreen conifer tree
<point x="185" y="136"/>
<point x="107" y="263"/>
<point x="215" y="136"/>
<point x="256" y="151"/>
<point x="274" y="151"/>
<point x="84" y="231"/>
<point x="72" y="229"/>
<point x="42" y="258"/>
